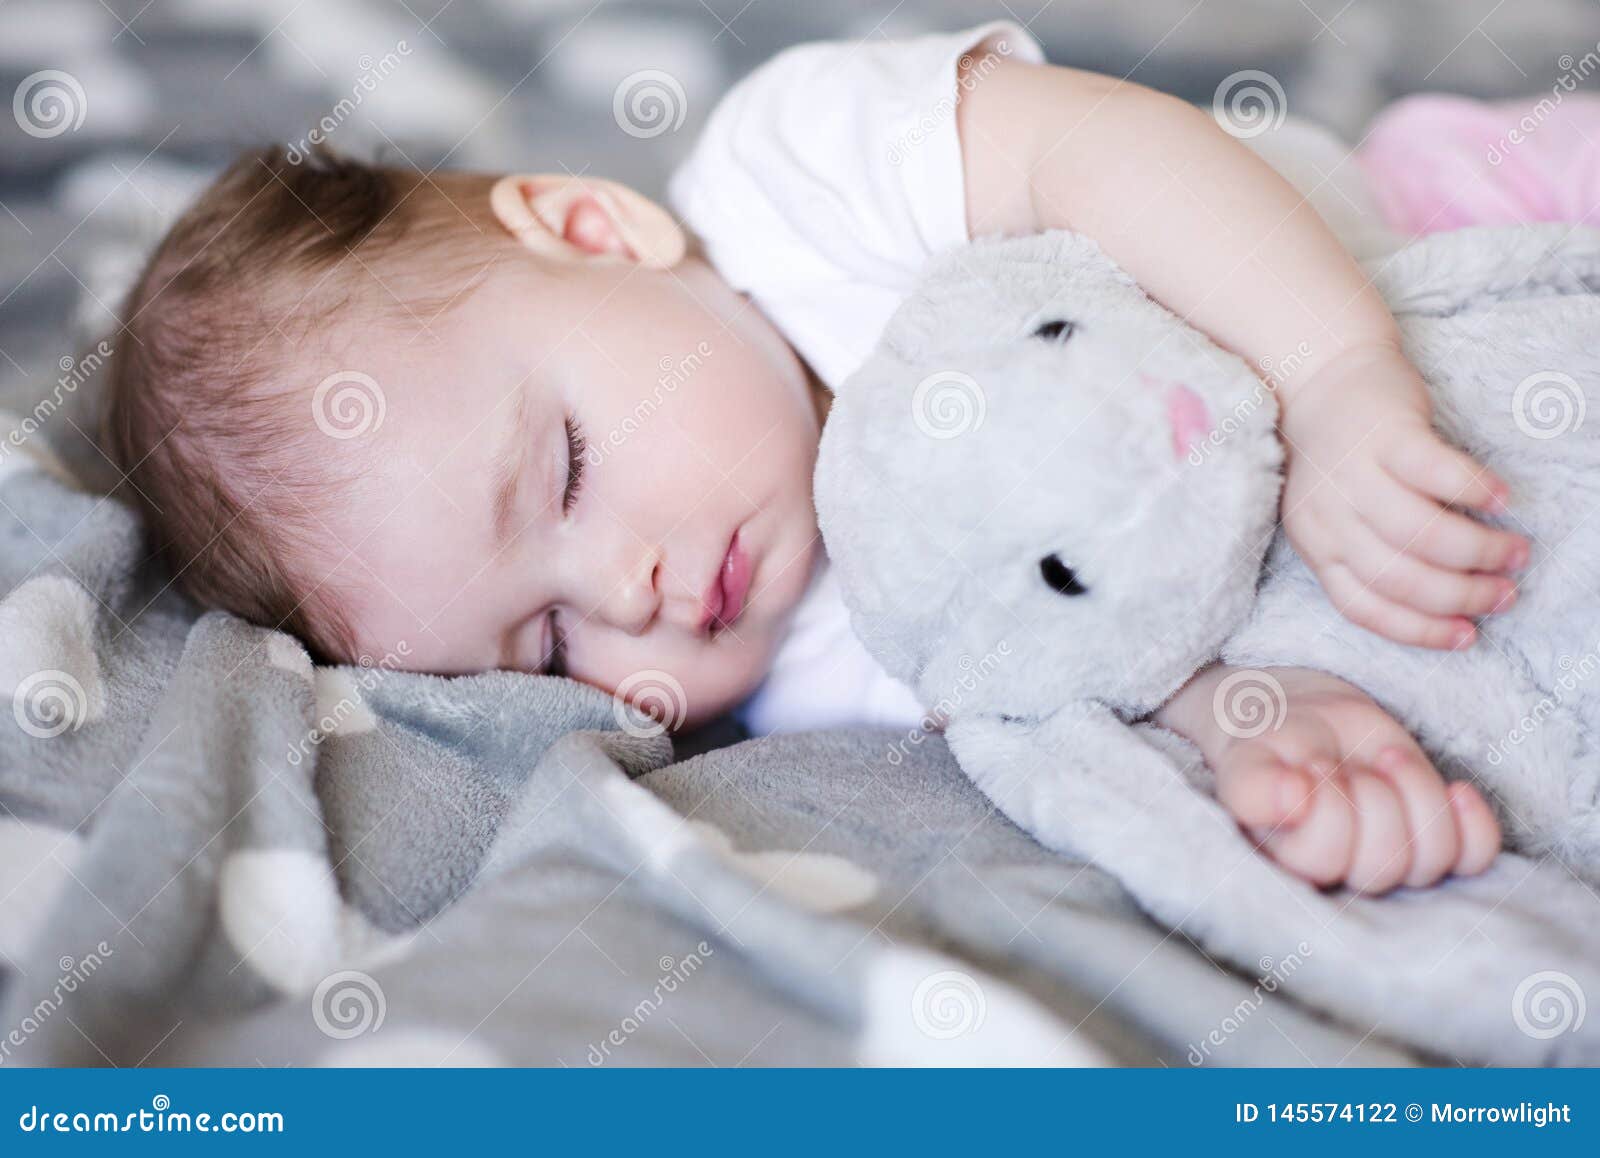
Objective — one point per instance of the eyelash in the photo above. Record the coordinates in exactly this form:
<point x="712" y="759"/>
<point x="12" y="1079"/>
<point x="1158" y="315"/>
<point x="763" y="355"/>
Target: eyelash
<point x="577" y="445"/>
<point x="556" y="664"/>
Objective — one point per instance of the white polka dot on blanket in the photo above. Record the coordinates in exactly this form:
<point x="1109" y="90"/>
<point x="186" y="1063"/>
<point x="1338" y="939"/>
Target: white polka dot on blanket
<point x="663" y="834"/>
<point x="284" y="651"/>
<point x="818" y="881"/>
<point x="23" y="449"/>
<point x="39" y="29"/>
<point x="35" y="862"/>
<point x="412" y="1049"/>
<point x="48" y="665"/>
<point x="920" y="1008"/>
<point x="282" y="911"/>
<point x="651" y="71"/>
<point x="341" y="709"/>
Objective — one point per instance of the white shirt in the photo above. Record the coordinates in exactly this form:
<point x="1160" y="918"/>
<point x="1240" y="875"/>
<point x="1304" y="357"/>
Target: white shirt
<point x="828" y="177"/>
<point x="823" y="184"/>
<point x="823" y="676"/>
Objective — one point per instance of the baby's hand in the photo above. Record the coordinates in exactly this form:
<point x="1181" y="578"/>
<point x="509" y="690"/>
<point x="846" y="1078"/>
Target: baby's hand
<point x="1339" y="793"/>
<point x="1367" y="503"/>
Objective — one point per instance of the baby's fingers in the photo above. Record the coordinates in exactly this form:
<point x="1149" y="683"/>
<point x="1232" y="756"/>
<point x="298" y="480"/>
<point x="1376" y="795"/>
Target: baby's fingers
<point x="1259" y="788"/>
<point x="1435" y="836"/>
<point x="1360" y="603"/>
<point x="1419" y="526"/>
<point x="1480" y="831"/>
<point x="1433" y="590"/>
<point x="1434" y="467"/>
<point x="1381" y="856"/>
<point x="1318" y="848"/>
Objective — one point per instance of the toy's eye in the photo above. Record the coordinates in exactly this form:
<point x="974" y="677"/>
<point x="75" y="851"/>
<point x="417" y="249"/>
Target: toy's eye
<point x="1057" y="331"/>
<point x="1060" y="577"/>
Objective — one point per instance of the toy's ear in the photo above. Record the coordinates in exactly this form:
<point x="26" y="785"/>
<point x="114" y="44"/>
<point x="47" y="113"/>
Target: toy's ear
<point x="1084" y="783"/>
<point x="1477" y="268"/>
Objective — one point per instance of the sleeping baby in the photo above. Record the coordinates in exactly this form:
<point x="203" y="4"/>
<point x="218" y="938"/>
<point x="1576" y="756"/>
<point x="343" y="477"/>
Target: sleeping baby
<point x="540" y="422"/>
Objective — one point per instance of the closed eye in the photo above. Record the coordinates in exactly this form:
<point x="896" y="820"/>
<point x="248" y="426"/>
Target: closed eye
<point x="576" y="446"/>
<point x="1057" y="331"/>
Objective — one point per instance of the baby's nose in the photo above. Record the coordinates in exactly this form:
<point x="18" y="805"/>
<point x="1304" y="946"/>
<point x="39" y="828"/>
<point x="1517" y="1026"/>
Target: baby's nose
<point x="635" y="598"/>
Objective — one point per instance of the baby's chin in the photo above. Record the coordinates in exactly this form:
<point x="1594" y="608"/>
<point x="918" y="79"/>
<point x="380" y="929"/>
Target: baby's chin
<point x="724" y="678"/>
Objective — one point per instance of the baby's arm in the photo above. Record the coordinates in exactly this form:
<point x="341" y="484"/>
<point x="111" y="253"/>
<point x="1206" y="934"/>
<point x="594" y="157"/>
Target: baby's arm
<point x="1212" y="232"/>
<point x="1334" y="789"/>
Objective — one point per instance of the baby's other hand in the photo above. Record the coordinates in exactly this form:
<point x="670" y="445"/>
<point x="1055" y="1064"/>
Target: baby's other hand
<point x="1367" y="502"/>
<point x="1339" y="793"/>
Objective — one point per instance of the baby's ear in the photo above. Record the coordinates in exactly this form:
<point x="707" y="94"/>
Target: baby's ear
<point x="577" y="219"/>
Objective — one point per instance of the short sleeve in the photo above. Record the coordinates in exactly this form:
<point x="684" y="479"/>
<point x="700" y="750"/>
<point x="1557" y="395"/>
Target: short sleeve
<point x="826" y="179"/>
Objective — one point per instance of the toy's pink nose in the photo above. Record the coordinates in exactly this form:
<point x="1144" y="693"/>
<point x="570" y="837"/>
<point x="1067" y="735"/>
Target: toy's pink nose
<point x="1189" y="419"/>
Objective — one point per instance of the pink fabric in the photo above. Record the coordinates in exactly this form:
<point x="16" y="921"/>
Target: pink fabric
<point x="1444" y="162"/>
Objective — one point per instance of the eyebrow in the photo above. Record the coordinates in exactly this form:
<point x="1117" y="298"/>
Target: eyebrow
<point x="506" y="471"/>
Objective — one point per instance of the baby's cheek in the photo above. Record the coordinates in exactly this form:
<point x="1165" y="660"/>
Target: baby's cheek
<point x="725" y="675"/>
<point x="681" y="682"/>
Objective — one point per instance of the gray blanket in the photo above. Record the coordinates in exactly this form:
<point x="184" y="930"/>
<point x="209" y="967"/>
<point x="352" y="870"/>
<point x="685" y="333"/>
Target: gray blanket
<point x="212" y="853"/>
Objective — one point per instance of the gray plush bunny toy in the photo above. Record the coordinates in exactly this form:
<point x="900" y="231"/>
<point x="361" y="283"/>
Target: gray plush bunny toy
<point x="1050" y="502"/>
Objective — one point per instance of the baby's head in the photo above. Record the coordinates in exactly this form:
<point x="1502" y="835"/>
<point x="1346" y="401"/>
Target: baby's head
<point x="468" y="422"/>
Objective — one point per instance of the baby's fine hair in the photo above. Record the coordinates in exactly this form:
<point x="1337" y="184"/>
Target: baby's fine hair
<point x="243" y="308"/>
